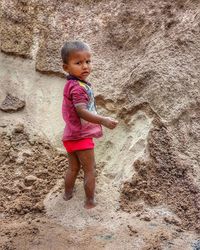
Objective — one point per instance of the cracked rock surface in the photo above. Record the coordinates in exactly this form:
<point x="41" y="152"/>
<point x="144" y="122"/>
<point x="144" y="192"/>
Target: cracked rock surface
<point x="146" y="71"/>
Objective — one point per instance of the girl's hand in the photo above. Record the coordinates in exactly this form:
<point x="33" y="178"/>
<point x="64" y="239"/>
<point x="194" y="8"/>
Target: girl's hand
<point x="109" y="122"/>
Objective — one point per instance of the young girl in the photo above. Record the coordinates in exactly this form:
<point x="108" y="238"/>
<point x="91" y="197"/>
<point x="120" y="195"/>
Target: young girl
<point x="82" y="122"/>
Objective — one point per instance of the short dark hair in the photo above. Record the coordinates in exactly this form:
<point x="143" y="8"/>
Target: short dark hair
<point x="70" y="47"/>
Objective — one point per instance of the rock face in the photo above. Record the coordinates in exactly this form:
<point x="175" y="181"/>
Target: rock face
<point x="146" y="74"/>
<point x="26" y="178"/>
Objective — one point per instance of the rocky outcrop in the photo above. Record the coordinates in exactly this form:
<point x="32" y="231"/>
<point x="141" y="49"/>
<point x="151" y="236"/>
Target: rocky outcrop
<point x="146" y="60"/>
<point x="29" y="168"/>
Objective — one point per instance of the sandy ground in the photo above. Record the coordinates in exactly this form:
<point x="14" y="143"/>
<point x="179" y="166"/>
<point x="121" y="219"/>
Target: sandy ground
<point x="33" y="214"/>
<point x="95" y="229"/>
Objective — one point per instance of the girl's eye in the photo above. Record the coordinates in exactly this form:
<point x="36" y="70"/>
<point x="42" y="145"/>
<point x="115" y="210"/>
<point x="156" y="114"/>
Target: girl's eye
<point x="88" y="61"/>
<point x="78" y="63"/>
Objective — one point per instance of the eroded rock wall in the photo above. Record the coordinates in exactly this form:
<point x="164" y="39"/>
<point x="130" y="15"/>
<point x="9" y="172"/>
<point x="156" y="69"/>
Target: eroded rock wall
<point x="146" y="59"/>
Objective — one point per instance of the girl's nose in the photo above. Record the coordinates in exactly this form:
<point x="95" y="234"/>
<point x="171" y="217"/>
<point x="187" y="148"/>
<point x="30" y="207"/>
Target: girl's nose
<point x="85" y="65"/>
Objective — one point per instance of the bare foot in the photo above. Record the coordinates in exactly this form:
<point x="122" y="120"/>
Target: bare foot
<point x="90" y="204"/>
<point x="67" y="197"/>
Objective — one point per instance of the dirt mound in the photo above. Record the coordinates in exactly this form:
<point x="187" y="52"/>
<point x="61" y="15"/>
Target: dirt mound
<point x="29" y="168"/>
<point x="165" y="178"/>
<point x="43" y="234"/>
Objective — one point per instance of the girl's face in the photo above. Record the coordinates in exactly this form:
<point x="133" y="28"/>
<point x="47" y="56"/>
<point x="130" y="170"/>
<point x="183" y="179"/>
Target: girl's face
<point x="79" y="64"/>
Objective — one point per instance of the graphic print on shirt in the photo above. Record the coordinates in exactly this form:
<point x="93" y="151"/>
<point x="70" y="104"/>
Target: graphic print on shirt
<point x="91" y="104"/>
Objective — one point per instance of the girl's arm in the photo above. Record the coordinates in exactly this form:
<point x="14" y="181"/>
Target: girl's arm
<point x="97" y="119"/>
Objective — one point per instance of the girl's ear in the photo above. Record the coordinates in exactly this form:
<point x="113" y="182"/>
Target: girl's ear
<point x="65" y="67"/>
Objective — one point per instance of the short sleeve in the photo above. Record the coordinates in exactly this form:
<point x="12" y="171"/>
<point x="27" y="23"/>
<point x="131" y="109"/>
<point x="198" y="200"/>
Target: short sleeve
<point x="79" y="95"/>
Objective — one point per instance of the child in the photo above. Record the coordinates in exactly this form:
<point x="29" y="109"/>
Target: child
<point x="82" y="122"/>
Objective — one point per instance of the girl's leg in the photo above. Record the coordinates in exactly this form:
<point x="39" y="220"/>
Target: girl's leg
<point x="87" y="160"/>
<point x="72" y="172"/>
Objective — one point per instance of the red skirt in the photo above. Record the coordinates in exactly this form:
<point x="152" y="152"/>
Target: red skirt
<point x="83" y="144"/>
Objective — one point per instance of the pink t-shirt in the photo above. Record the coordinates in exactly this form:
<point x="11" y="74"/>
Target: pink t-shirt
<point x="78" y="92"/>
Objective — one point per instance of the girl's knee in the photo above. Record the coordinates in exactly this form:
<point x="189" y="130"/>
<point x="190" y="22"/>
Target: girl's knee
<point x="89" y="171"/>
<point x="74" y="171"/>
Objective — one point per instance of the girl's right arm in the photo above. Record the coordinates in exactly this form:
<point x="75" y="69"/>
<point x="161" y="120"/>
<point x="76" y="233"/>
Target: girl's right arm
<point x="93" y="118"/>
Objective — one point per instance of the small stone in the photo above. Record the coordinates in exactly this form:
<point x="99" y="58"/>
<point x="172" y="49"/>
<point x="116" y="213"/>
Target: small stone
<point x="20" y="186"/>
<point x="18" y="208"/>
<point x="32" y="141"/>
<point x="27" y="153"/>
<point x="132" y="230"/>
<point x="19" y="128"/>
<point x="146" y="218"/>
<point x="3" y="125"/>
<point x="12" y="104"/>
<point x="30" y="179"/>
<point x="172" y="220"/>
<point x="28" y="188"/>
<point x="15" y="234"/>
<point x="26" y="210"/>
<point x="27" y="217"/>
<point x="2" y="215"/>
<point x="21" y="212"/>
<point x="4" y="134"/>
<point x="20" y="160"/>
<point x="42" y="174"/>
<point x="39" y="207"/>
